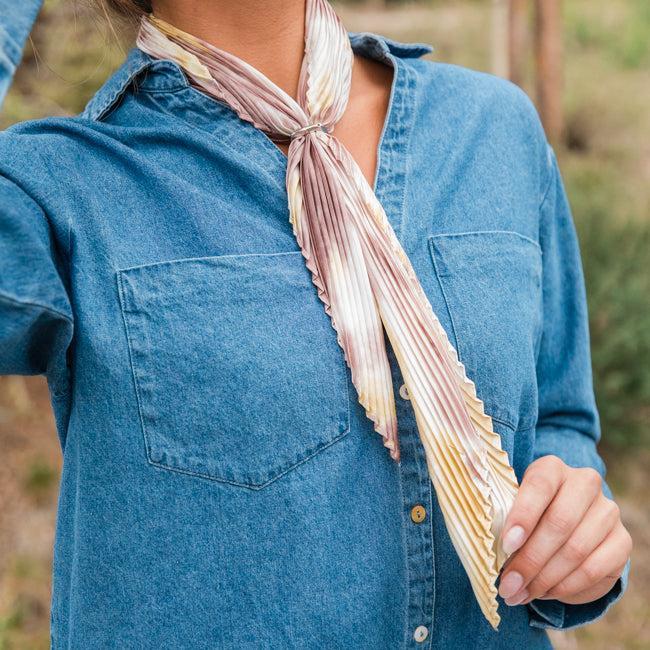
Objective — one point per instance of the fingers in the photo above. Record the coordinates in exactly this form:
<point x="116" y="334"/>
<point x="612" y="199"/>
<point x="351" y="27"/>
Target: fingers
<point x="539" y="486"/>
<point x="598" y="522"/>
<point x="579" y="490"/>
<point x="565" y="538"/>
<point x="561" y="517"/>
<point x="589" y="595"/>
<point x="604" y="564"/>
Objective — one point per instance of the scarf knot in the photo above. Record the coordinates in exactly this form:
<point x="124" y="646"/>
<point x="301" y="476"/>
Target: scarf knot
<point x="317" y="126"/>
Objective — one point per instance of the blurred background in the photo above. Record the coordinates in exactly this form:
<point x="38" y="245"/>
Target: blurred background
<point x="586" y="65"/>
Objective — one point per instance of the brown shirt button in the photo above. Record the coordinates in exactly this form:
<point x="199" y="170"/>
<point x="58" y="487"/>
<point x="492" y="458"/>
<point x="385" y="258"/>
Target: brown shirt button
<point x="418" y="514"/>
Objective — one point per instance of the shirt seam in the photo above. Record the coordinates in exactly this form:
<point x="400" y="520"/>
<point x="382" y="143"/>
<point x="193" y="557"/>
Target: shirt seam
<point x="33" y="304"/>
<point x="547" y="190"/>
<point x="408" y="168"/>
<point x="161" y="91"/>
<point x="465" y="233"/>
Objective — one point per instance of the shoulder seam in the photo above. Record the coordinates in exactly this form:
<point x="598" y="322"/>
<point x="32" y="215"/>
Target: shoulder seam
<point x="550" y="156"/>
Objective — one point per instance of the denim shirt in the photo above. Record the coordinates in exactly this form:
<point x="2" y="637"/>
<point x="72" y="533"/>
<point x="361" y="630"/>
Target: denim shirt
<point x="222" y="486"/>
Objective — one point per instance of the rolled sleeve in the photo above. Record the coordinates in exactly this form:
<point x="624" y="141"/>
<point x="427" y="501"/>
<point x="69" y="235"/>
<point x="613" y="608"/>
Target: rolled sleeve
<point x="568" y="423"/>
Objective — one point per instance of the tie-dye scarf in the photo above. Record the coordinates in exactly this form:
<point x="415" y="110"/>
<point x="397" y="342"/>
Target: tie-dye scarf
<point x="365" y="280"/>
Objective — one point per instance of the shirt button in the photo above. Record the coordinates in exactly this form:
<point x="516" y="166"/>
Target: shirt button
<point x="418" y="514"/>
<point x="404" y="392"/>
<point x="421" y="633"/>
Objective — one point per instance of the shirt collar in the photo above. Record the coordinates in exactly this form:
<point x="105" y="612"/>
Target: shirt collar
<point x="163" y="74"/>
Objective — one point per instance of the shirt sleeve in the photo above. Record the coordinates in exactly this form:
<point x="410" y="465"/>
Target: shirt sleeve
<point x="568" y="424"/>
<point x="36" y="319"/>
<point x="16" y="21"/>
<point x="35" y="312"/>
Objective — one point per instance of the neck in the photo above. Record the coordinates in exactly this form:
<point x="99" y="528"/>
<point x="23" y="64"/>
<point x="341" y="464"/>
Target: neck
<point x="267" y="34"/>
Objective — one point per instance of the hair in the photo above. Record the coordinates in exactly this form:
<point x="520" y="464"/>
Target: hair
<point x="130" y="8"/>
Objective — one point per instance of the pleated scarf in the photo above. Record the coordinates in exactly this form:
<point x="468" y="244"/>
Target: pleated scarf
<point x="365" y="280"/>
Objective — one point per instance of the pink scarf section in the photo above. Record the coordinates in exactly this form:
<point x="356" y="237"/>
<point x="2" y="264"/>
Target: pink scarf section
<point x="366" y="281"/>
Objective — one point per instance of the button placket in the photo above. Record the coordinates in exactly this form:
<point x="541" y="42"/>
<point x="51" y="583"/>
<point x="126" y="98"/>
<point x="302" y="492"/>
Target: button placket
<point x="417" y="504"/>
<point x="390" y="184"/>
<point x="417" y="491"/>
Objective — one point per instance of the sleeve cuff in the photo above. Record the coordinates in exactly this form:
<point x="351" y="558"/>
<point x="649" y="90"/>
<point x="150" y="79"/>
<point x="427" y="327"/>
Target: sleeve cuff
<point x="556" y="615"/>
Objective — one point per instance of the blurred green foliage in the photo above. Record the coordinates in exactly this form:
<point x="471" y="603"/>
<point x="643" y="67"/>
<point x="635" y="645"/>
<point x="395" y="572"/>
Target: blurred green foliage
<point x="616" y="260"/>
<point x="41" y="477"/>
<point x="623" y="35"/>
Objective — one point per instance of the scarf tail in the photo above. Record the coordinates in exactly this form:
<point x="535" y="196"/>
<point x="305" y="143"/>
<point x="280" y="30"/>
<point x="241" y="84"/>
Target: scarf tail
<point x="333" y="253"/>
<point x="470" y="471"/>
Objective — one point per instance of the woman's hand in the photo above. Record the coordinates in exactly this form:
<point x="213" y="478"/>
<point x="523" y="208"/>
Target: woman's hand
<point x="568" y="536"/>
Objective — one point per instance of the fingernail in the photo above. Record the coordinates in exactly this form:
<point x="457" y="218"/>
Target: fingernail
<point x="518" y="600"/>
<point x="510" y="584"/>
<point x="513" y="539"/>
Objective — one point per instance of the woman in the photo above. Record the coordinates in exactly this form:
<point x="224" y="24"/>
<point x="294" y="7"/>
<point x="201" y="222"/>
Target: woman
<point x="223" y="486"/>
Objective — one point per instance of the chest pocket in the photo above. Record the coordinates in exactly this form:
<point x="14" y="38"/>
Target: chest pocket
<point x="491" y="281"/>
<point x="238" y="374"/>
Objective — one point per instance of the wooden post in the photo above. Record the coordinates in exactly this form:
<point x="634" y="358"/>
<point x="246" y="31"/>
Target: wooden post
<point x="517" y="40"/>
<point x="499" y="49"/>
<point x="548" y="58"/>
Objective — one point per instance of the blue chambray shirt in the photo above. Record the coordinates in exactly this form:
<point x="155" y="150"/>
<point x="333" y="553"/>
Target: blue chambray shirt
<point x="222" y="487"/>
